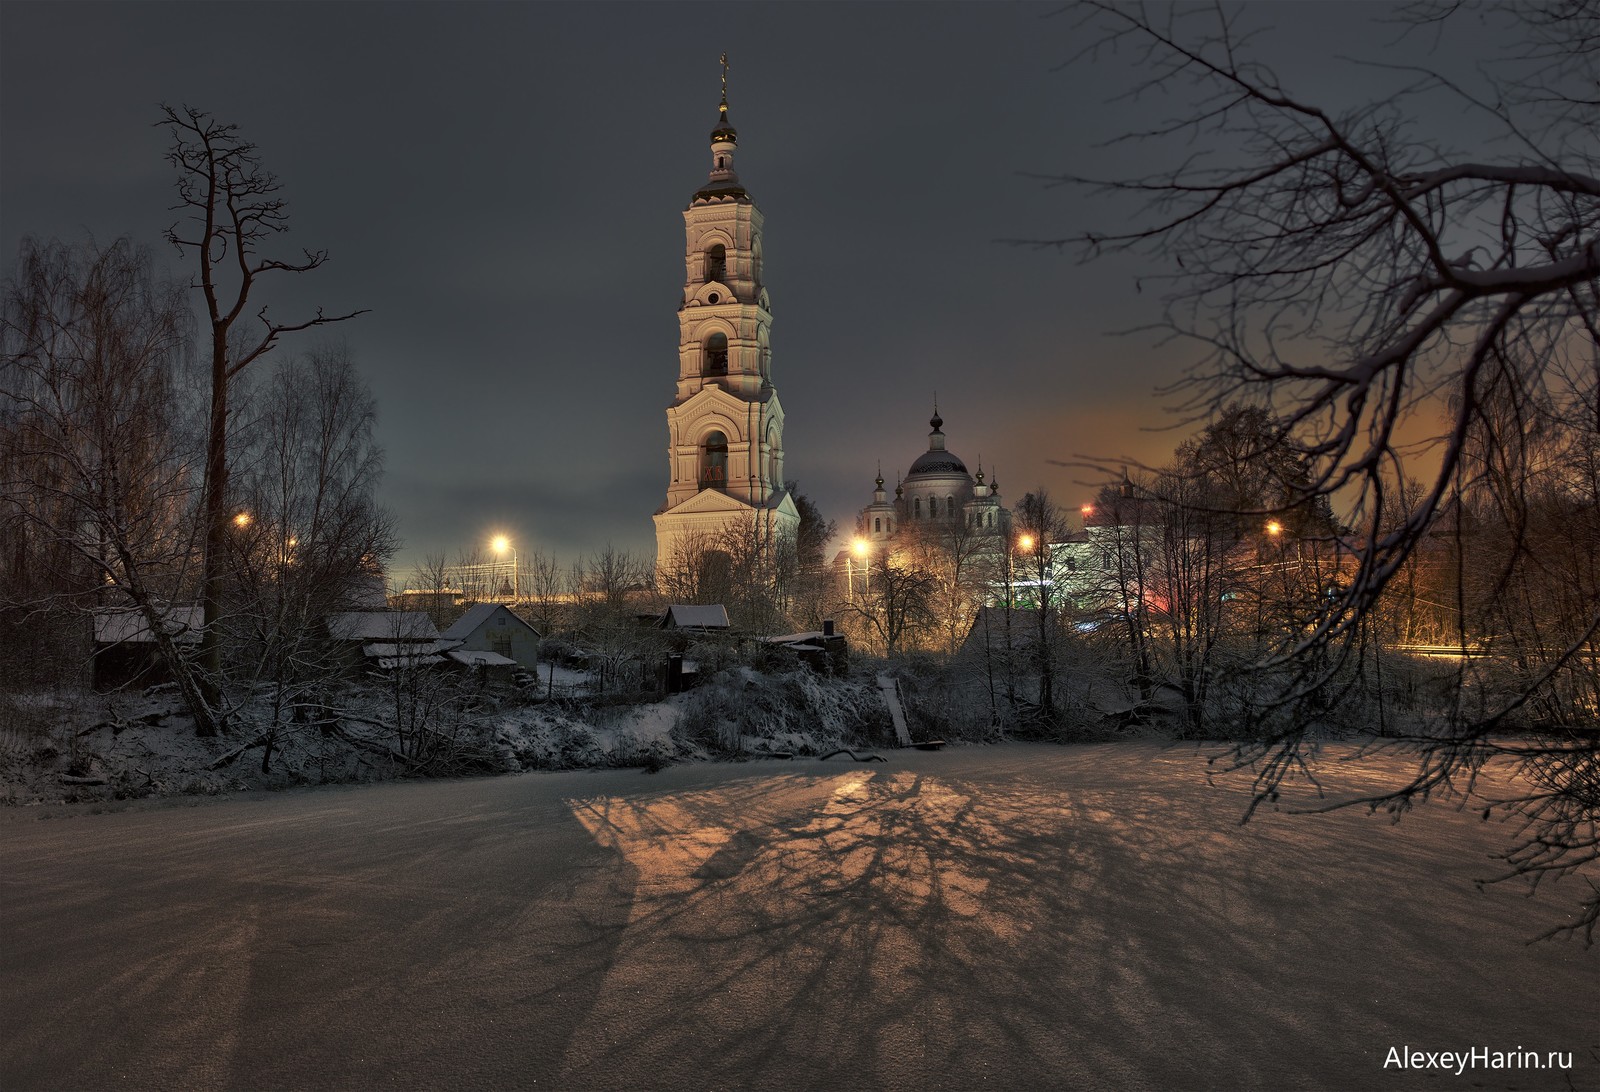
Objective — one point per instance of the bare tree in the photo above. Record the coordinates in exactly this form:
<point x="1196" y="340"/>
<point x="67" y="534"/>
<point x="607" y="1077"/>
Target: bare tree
<point x="960" y="560"/>
<point x="1345" y="268"/>
<point x="310" y="534"/>
<point x="95" y="484"/>
<point x="546" y="588"/>
<point x="1040" y="525"/>
<point x="432" y="578"/>
<point x="889" y="598"/>
<point x="607" y="589"/>
<point x="232" y="207"/>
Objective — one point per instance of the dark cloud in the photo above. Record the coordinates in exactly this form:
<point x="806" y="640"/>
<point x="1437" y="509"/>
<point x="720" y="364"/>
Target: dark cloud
<point x="502" y="185"/>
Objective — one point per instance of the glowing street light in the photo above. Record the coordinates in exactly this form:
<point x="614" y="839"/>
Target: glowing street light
<point x="500" y="545"/>
<point x="1025" y="543"/>
<point x="1274" y="528"/>
<point x="242" y="520"/>
<point x="860" y="548"/>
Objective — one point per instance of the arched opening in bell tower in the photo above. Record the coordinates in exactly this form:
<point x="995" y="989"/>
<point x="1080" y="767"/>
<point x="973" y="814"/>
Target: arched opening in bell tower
<point x="716" y="262"/>
<point x="714" y="461"/>
<point x="716" y="355"/>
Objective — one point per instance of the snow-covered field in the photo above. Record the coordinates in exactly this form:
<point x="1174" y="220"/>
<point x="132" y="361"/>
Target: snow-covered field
<point x="1015" y="916"/>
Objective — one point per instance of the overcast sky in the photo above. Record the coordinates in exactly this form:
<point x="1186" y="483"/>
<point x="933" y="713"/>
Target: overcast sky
<point x="502" y="185"/>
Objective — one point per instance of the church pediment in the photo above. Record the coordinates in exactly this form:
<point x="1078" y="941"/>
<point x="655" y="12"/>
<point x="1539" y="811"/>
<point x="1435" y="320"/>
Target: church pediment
<point x="710" y="502"/>
<point x="713" y="401"/>
<point x="711" y="294"/>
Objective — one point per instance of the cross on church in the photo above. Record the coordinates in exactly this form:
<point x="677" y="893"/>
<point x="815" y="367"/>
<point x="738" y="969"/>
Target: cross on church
<point x="724" y="76"/>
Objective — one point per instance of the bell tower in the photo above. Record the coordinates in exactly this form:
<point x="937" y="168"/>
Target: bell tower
<point x="725" y="424"/>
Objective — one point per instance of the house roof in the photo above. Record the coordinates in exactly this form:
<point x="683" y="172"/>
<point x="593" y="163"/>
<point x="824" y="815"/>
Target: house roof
<point x="795" y="638"/>
<point x="407" y="650"/>
<point x="477" y="616"/>
<point x="695" y="616"/>
<point x="382" y="625"/>
<point x="126" y="625"/>
<point x="473" y="657"/>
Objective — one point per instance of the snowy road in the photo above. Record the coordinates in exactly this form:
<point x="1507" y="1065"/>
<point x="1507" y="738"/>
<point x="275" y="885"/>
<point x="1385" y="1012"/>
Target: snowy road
<point x="1014" y="918"/>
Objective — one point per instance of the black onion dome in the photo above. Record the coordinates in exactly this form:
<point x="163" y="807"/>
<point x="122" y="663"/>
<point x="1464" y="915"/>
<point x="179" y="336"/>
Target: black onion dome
<point x="724" y="130"/>
<point x="937" y="462"/>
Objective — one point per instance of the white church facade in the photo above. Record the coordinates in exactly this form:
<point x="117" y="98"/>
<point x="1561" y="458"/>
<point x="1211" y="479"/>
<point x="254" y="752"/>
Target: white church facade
<point x="936" y="492"/>
<point x="725" y="423"/>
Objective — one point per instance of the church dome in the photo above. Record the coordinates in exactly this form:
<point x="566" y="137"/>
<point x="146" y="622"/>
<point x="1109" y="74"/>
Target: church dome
<point x="937" y="462"/>
<point x="724" y="183"/>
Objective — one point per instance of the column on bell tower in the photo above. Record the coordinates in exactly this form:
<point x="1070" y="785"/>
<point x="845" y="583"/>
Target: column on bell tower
<point x="725" y="424"/>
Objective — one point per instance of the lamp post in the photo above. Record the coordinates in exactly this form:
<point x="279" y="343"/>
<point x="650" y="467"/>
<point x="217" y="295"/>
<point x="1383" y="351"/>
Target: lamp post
<point x="861" y="549"/>
<point x="501" y="544"/>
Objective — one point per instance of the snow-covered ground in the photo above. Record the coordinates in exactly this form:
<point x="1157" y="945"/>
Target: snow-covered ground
<point x="92" y="748"/>
<point x="1017" y="916"/>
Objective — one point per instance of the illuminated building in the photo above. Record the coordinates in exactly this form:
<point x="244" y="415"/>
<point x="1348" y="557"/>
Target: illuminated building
<point x="725" y="423"/>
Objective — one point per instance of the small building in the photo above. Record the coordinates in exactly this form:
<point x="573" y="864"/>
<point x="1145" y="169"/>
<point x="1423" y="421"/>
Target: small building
<point x="487" y="666"/>
<point x="696" y="618"/>
<point x="125" y="651"/>
<point x="824" y="651"/>
<point x="492" y="628"/>
<point x="387" y="639"/>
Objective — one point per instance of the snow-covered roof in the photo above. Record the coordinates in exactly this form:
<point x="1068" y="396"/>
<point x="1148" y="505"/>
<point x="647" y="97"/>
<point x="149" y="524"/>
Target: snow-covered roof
<point x="382" y="625"/>
<point x="406" y="649"/>
<point x="479" y="658"/>
<point x="477" y="616"/>
<point x="795" y="638"/>
<point x="389" y="663"/>
<point x="119" y="625"/>
<point x="695" y="616"/>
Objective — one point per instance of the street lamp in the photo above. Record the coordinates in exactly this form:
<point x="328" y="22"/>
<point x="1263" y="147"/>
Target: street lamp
<point x="860" y="548"/>
<point x="500" y="545"/>
<point x="242" y="520"/>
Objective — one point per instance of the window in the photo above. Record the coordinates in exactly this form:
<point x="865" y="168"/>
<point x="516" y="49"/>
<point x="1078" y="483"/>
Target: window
<point x="877" y="525"/>
<point x="714" y="461"/>
<point x="716" y="359"/>
<point x="916" y="507"/>
<point x="950" y="507"/>
<point x="717" y="257"/>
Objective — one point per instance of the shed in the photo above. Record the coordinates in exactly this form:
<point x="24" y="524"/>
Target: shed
<point x="709" y="618"/>
<point x="494" y="628"/>
<point x="387" y="638"/>
<point x="125" y="649"/>
<point x="485" y="665"/>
